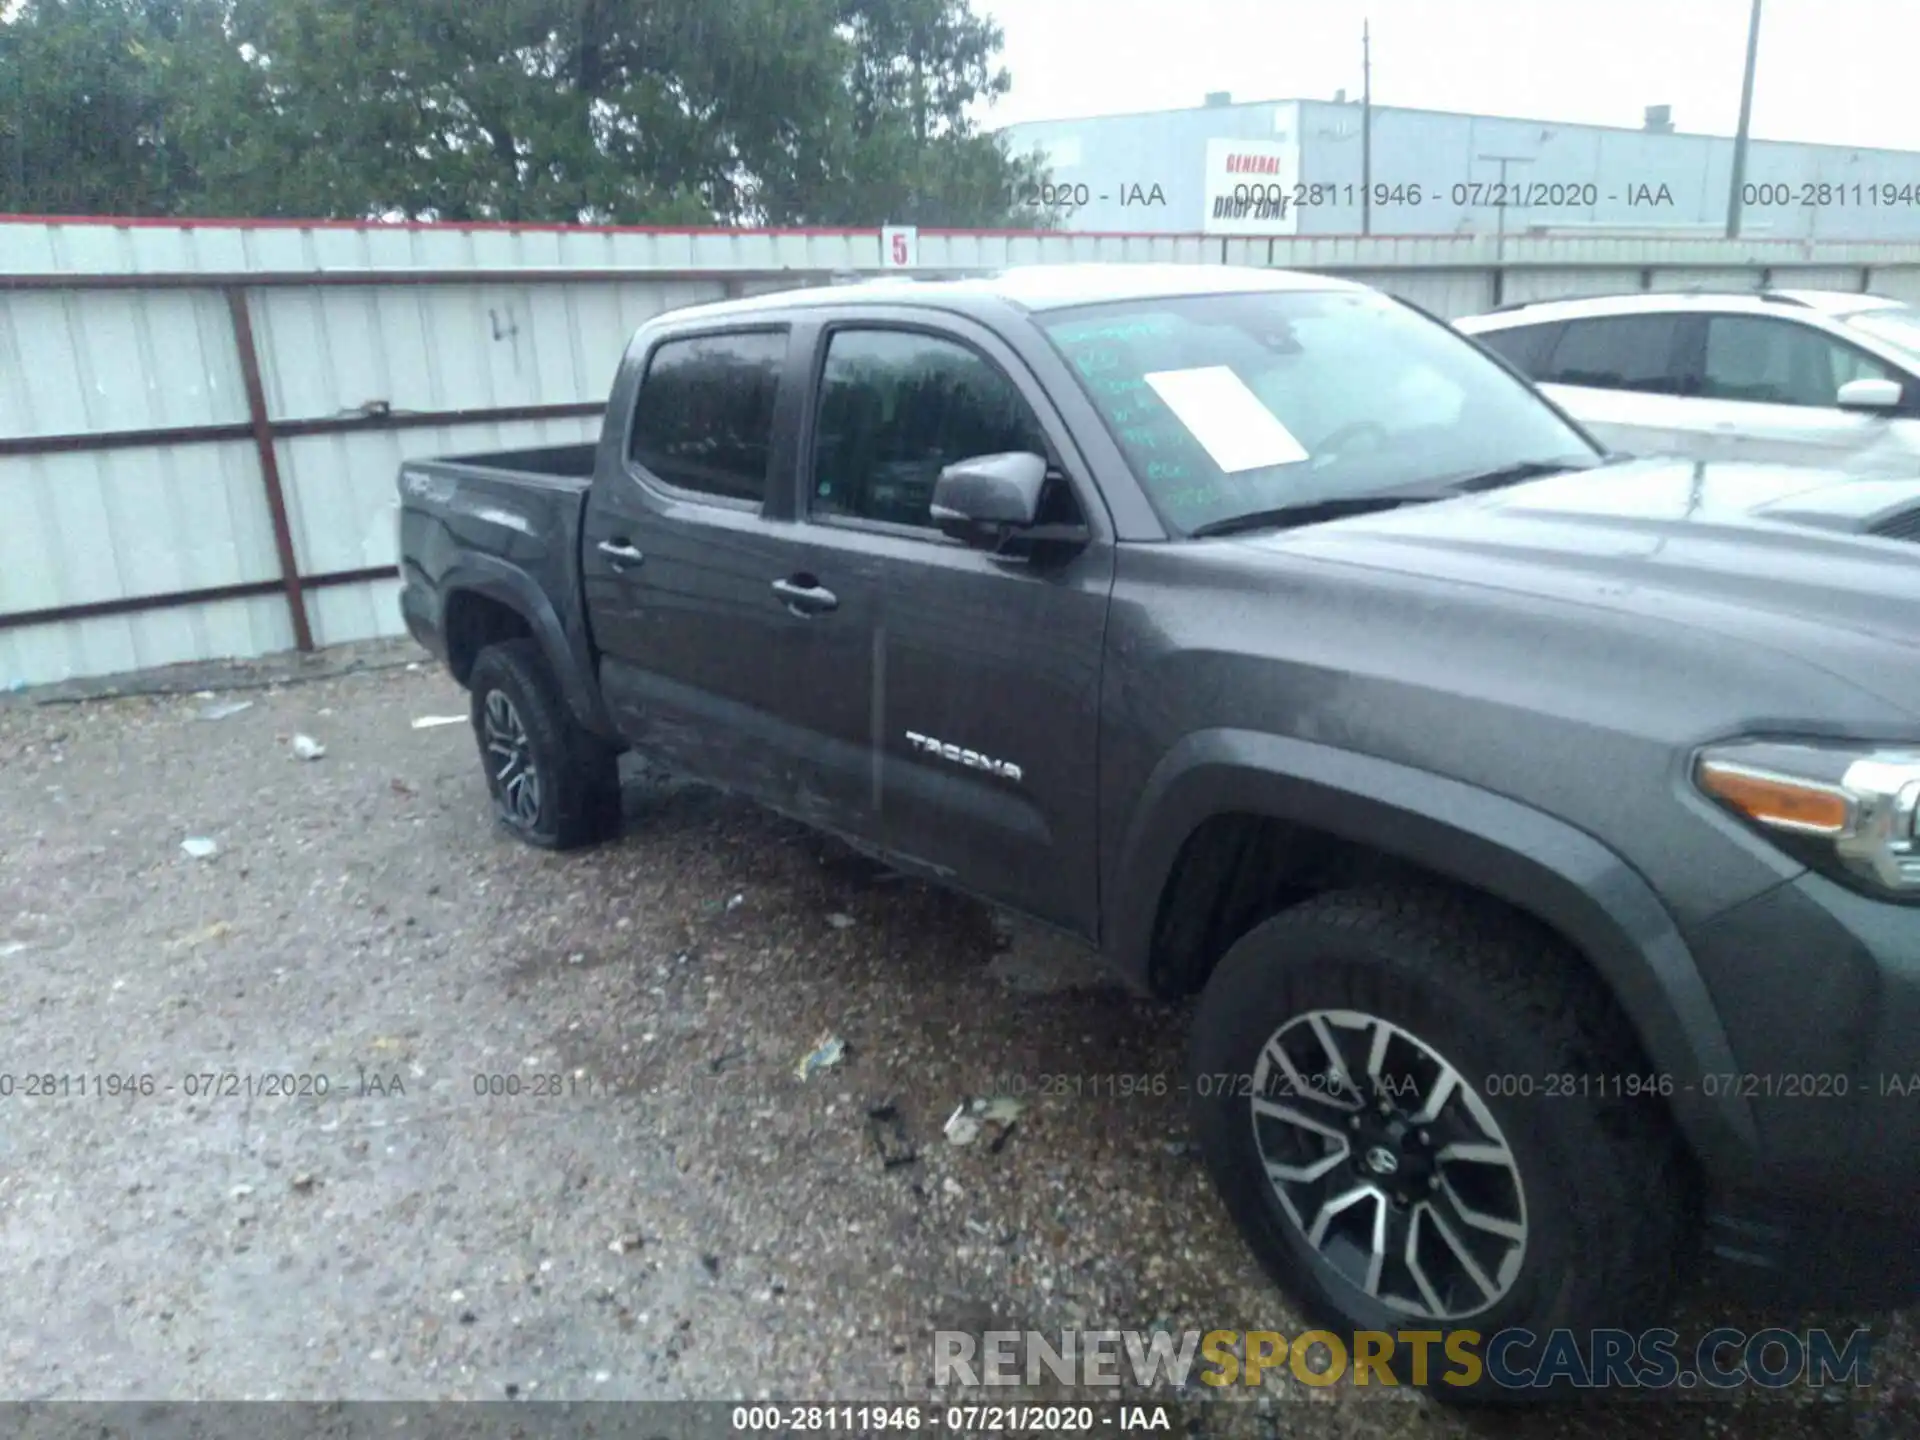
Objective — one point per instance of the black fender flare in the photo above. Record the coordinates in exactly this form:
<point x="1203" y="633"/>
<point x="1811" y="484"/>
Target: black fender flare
<point x="570" y="659"/>
<point x="1561" y="875"/>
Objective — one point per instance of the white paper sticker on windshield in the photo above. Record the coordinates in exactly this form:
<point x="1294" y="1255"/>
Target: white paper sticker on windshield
<point x="1227" y="418"/>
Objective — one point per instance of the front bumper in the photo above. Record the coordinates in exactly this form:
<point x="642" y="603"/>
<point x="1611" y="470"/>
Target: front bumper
<point x="1819" y="991"/>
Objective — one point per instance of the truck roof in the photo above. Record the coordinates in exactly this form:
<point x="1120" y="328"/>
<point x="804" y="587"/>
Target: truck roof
<point x="1037" y="287"/>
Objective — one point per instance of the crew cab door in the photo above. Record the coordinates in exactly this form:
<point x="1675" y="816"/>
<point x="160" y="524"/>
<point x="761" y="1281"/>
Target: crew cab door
<point x="706" y="661"/>
<point x="1768" y="389"/>
<point x="1623" y="377"/>
<point x="982" y="727"/>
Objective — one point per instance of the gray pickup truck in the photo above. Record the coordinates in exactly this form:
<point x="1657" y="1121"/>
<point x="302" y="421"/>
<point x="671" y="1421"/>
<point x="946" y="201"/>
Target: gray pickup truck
<point x="1536" y="827"/>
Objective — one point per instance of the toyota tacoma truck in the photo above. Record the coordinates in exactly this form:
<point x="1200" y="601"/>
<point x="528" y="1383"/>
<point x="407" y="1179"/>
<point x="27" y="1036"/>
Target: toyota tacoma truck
<point x="1536" y="827"/>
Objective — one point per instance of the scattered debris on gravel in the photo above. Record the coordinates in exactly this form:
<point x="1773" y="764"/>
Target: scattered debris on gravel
<point x="382" y="1104"/>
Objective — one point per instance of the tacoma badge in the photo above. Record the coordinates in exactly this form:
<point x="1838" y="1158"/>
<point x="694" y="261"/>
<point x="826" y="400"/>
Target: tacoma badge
<point x="972" y="759"/>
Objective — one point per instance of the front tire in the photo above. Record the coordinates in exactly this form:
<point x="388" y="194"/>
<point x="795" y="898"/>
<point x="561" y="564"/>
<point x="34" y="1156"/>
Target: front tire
<point x="554" y="783"/>
<point x="1424" y="1113"/>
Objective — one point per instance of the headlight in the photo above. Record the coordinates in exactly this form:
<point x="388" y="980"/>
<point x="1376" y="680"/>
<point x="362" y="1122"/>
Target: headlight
<point x="1852" y="811"/>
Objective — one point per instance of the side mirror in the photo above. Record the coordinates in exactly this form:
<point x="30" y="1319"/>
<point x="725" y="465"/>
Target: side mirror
<point x="984" y="495"/>
<point x="992" y="502"/>
<point x="1870" y="395"/>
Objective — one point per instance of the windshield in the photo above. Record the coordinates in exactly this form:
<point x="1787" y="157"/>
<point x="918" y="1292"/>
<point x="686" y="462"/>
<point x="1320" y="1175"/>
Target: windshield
<point x="1226" y="405"/>
<point x="1895" y="325"/>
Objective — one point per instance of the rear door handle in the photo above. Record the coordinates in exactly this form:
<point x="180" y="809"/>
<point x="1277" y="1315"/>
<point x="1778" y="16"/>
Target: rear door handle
<point x="805" y="596"/>
<point x="622" y="554"/>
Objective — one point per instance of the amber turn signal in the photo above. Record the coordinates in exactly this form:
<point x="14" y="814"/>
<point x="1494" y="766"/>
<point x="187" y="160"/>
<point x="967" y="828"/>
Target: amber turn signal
<point x="1777" y="800"/>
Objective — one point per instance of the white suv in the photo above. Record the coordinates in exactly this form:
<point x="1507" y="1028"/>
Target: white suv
<point x="1801" y="377"/>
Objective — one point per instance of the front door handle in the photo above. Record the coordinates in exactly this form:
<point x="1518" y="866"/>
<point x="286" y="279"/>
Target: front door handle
<point x="622" y="554"/>
<point x="803" y="595"/>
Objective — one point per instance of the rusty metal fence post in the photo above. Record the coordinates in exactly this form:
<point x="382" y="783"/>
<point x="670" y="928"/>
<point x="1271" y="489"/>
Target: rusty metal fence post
<point x="269" y="464"/>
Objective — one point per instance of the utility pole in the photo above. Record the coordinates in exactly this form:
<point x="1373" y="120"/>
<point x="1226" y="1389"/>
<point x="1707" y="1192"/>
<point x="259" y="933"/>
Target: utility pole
<point x="1366" y="129"/>
<point x="1500" y="243"/>
<point x="1740" y="136"/>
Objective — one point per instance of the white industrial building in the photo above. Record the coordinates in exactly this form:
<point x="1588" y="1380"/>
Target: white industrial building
<point x="1296" y="167"/>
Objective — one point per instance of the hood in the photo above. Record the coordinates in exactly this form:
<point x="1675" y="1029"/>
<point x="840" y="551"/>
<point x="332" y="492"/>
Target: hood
<point x="1775" y="556"/>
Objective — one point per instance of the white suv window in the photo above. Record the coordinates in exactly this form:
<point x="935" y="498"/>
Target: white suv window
<point x="1525" y="347"/>
<point x="1617" y="352"/>
<point x="1779" y="362"/>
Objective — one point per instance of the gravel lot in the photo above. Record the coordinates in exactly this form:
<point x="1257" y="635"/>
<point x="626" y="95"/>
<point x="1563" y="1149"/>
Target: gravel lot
<point x="683" y="1217"/>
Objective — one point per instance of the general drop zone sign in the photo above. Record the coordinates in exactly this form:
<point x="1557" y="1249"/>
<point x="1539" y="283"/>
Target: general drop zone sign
<point x="1249" y="187"/>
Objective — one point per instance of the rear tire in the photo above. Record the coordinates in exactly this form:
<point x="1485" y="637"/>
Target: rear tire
<point x="1569" y="1199"/>
<point x="554" y="783"/>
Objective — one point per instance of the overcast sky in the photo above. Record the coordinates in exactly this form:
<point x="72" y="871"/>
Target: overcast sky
<point x="1837" y="71"/>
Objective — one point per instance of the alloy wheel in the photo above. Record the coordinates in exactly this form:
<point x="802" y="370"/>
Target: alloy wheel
<point x="1389" y="1164"/>
<point x="510" y="760"/>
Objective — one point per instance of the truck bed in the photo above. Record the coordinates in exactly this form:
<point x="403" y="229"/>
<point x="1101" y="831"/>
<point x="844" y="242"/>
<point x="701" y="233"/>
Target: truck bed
<point x="503" y="526"/>
<point x="553" y="462"/>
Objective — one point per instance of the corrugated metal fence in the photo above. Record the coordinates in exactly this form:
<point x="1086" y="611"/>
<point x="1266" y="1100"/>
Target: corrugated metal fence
<point x="200" y="423"/>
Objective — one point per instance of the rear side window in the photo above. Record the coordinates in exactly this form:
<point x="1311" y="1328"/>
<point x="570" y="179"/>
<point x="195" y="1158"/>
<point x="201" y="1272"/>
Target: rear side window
<point x="1524" y="347"/>
<point x="704" y="420"/>
<point x="1620" y="352"/>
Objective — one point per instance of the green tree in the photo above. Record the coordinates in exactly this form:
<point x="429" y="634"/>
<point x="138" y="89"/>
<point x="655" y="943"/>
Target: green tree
<point x="896" y="140"/>
<point x="780" y="112"/>
<point x="93" y="94"/>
